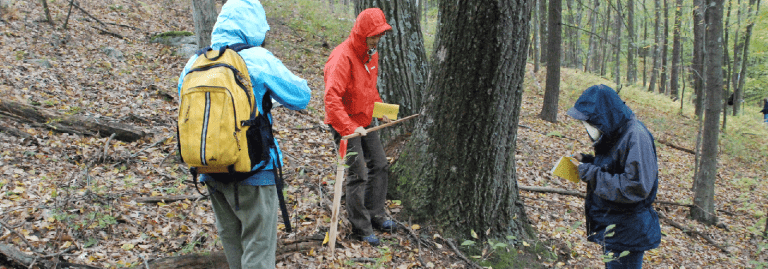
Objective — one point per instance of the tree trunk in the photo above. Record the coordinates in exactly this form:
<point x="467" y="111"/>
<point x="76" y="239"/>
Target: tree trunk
<point x="204" y="14"/>
<point x="697" y="66"/>
<point x="738" y="47"/>
<point x="543" y="36"/>
<point x="726" y="67"/>
<point x="536" y="45"/>
<point x="704" y="197"/>
<point x="591" y="55"/>
<point x="738" y="92"/>
<point x="631" y="43"/>
<point x="47" y="12"/>
<point x="617" y="45"/>
<point x="664" y="50"/>
<point x="604" y="52"/>
<point x="656" y="54"/>
<point x="645" y="48"/>
<point x="403" y="60"/>
<point x="470" y="116"/>
<point x="676" y="52"/>
<point x="552" y="88"/>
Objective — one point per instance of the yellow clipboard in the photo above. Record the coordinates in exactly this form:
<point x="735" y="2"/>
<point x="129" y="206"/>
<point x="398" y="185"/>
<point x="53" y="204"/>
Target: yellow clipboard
<point x="384" y="109"/>
<point x="566" y="169"/>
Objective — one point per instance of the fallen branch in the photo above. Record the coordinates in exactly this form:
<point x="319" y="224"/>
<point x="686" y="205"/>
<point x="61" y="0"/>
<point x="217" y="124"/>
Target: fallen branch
<point x="461" y="255"/>
<point x="18" y="259"/>
<point x="15" y="132"/>
<point x="166" y="199"/>
<point x="669" y="144"/>
<point x="583" y="195"/>
<point x="690" y="232"/>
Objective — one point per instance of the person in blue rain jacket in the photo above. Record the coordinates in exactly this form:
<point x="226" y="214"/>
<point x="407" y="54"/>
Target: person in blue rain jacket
<point x="622" y="177"/>
<point x="249" y="233"/>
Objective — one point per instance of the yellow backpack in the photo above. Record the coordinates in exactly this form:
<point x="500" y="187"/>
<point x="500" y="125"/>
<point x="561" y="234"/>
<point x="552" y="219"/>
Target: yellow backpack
<point x="217" y="110"/>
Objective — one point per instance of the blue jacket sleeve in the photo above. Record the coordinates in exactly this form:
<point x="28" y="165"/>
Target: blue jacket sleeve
<point x="184" y="73"/>
<point x="637" y="156"/>
<point x="268" y="72"/>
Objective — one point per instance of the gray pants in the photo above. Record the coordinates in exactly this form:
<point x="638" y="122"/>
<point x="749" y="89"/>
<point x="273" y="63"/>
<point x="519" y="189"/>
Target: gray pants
<point x="249" y="235"/>
<point x="366" y="182"/>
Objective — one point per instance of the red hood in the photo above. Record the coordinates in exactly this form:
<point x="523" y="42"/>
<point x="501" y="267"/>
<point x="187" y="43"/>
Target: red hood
<point x="369" y="22"/>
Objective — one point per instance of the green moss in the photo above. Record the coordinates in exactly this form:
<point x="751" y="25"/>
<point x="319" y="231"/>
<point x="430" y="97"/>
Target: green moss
<point x="173" y="34"/>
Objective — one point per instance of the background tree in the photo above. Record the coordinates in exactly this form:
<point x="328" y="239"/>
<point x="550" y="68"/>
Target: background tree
<point x="543" y="30"/>
<point x="552" y="88"/>
<point x="697" y="65"/>
<point x="704" y="196"/>
<point x="656" y="53"/>
<point x="204" y="14"/>
<point x="631" y="43"/>
<point x="458" y="169"/>
<point x="676" y="52"/>
<point x="738" y="92"/>
<point x="404" y="67"/>
<point x="664" y="50"/>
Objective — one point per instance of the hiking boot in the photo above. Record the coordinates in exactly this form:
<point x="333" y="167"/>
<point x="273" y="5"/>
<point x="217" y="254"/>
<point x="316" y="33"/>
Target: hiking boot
<point x="386" y="226"/>
<point x="371" y="239"/>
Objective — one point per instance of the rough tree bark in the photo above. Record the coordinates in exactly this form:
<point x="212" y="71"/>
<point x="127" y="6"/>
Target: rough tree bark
<point x="458" y="169"/>
<point x="403" y="60"/>
<point x="552" y="88"/>
<point x="704" y="196"/>
<point x="739" y="91"/>
<point x="204" y="14"/>
<point x="543" y="31"/>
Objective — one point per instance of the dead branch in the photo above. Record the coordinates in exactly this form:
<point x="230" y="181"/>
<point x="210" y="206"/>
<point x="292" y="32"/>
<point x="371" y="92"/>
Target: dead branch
<point x="669" y="144"/>
<point x="691" y="232"/>
<point x="75" y="124"/>
<point x="191" y="261"/>
<point x="103" y="157"/>
<point x="105" y="32"/>
<point x="15" y="132"/>
<point x="166" y="199"/>
<point x="20" y="260"/>
<point x="461" y="255"/>
<point x="583" y="195"/>
<point x="150" y="146"/>
<point x="86" y="13"/>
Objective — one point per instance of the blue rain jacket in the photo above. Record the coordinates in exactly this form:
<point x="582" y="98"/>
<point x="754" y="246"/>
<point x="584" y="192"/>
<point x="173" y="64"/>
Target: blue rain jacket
<point x="242" y="21"/>
<point x="622" y="176"/>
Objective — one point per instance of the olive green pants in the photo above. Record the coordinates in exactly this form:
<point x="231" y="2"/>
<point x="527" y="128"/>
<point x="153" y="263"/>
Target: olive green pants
<point x="249" y="235"/>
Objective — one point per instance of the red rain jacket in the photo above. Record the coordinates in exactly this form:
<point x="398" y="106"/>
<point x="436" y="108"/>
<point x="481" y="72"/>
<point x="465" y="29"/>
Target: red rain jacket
<point x="350" y="82"/>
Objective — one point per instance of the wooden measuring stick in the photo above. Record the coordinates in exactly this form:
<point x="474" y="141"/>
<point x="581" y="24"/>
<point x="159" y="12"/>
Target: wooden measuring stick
<point x="381" y="126"/>
<point x="337" y="186"/>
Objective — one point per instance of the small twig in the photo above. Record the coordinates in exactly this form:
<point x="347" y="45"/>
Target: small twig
<point x="150" y="146"/>
<point x="146" y="264"/>
<point x="70" y="248"/>
<point x="2" y="223"/>
<point x="102" y="31"/>
<point x="86" y="13"/>
<point x="106" y="149"/>
<point x="461" y="255"/>
<point x="364" y="260"/>
<point x="690" y="231"/>
<point x="169" y="154"/>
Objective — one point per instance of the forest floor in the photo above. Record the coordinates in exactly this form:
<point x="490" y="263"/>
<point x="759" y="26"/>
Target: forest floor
<point x="81" y="194"/>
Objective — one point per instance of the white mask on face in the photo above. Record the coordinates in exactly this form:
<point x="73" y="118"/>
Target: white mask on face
<point x="593" y="132"/>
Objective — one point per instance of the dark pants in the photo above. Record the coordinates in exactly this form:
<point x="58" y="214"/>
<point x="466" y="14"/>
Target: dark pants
<point x="632" y="261"/>
<point x="366" y="181"/>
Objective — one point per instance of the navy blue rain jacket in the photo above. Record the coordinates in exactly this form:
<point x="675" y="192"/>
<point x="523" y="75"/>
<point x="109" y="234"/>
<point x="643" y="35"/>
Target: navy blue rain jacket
<point x="622" y="176"/>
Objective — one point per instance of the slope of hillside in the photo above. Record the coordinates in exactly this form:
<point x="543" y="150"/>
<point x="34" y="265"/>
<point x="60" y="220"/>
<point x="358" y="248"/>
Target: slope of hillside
<point x="81" y="194"/>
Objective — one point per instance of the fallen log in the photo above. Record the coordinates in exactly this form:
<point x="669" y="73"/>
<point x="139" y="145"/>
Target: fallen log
<point x="669" y="144"/>
<point x="213" y="260"/>
<point x="76" y="124"/>
<point x="14" y="258"/>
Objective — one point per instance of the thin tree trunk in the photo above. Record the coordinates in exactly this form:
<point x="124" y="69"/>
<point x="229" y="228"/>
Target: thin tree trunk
<point x="676" y="52"/>
<point x="645" y="49"/>
<point x="697" y="67"/>
<point x="664" y="50"/>
<point x="47" y="12"/>
<point x="552" y="89"/>
<point x="656" y="54"/>
<point x="543" y="30"/>
<point x="704" y="196"/>
<point x="604" y="53"/>
<point x="470" y="115"/>
<point x="739" y="91"/>
<point x="727" y="69"/>
<point x="591" y="56"/>
<point x="617" y="45"/>
<point x="536" y="44"/>
<point x="631" y="43"/>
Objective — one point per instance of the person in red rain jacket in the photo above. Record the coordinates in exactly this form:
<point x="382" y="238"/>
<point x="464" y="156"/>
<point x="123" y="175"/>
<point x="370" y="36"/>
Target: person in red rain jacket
<point x="351" y="74"/>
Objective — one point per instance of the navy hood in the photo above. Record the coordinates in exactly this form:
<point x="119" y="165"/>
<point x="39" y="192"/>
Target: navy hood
<point x="602" y="107"/>
<point x="240" y="21"/>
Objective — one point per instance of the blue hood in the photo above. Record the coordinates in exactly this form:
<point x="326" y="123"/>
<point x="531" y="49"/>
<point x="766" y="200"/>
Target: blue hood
<point x="602" y="107"/>
<point x="240" y="21"/>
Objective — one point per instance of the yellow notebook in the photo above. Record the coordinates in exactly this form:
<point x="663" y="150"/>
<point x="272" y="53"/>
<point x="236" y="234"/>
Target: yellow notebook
<point x="566" y="169"/>
<point x="383" y="109"/>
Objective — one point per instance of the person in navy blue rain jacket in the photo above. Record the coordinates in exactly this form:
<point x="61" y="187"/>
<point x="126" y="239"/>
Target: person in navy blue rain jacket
<point x="248" y="228"/>
<point x="765" y="110"/>
<point x="622" y="177"/>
